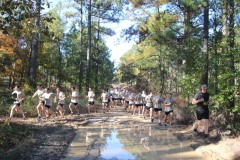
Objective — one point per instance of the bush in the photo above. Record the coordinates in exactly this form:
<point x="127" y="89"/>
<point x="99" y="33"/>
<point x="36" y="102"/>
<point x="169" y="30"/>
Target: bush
<point x="12" y="134"/>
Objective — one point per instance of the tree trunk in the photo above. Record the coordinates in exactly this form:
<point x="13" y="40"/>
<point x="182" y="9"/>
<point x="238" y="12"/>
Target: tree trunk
<point x="224" y="17"/>
<point x="88" y="70"/>
<point x="216" y="64"/>
<point x="81" y="50"/>
<point x="98" y="51"/>
<point x="60" y="63"/>
<point x="205" y="42"/>
<point x="34" y="56"/>
<point x="231" y="40"/>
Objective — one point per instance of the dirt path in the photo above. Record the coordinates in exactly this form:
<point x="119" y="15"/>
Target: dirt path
<point x="53" y="138"/>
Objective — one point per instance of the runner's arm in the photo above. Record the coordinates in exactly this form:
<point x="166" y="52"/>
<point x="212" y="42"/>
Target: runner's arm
<point x="194" y="101"/>
<point x="34" y="95"/>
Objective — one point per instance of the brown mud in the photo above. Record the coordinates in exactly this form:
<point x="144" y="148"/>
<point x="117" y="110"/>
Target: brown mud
<point x="88" y="135"/>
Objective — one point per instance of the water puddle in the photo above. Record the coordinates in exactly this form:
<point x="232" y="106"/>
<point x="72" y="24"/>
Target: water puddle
<point x="128" y="142"/>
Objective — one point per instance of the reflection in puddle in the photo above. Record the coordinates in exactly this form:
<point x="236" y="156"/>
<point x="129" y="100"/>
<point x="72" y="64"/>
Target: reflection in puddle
<point x="128" y="142"/>
<point x="114" y="149"/>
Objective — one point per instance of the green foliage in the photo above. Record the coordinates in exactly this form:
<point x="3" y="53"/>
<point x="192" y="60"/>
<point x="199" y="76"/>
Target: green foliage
<point x="5" y="101"/>
<point x="170" y="56"/>
<point x="29" y="106"/>
<point x="13" y="13"/>
<point x="12" y="134"/>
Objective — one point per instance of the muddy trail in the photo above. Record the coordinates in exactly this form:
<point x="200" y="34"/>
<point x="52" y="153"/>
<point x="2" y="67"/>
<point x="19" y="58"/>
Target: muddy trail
<point x="115" y="135"/>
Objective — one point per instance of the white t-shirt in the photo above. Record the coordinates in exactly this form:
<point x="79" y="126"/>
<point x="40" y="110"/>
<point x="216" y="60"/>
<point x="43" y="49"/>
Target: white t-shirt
<point x="19" y="94"/>
<point x="126" y="96"/>
<point x="104" y="97"/>
<point x="138" y="98"/>
<point x="143" y="97"/>
<point x="74" y="98"/>
<point x="149" y="100"/>
<point x="61" y="98"/>
<point x="39" y="93"/>
<point x="131" y="98"/>
<point x="91" y="96"/>
<point x="48" y="97"/>
<point x="157" y="101"/>
<point x="169" y="108"/>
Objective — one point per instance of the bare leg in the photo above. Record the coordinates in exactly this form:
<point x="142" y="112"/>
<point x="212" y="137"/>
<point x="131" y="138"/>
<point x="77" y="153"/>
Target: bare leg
<point x="143" y="110"/>
<point x="39" y="109"/>
<point x="19" y="110"/>
<point x="71" y="108"/>
<point x="103" y="107"/>
<point x="47" y="113"/>
<point x="139" y="110"/>
<point x="89" y="110"/>
<point x="165" y="119"/>
<point x="159" y="117"/>
<point x="171" y="118"/>
<point x="12" y="111"/>
<point x="196" y="125"/>
<point x="134" y="109"/>
<point x="206" y="125"/>
<point x="76" y="107"/>
<point x="60" y="110"/>
<point x="151" y="114"/>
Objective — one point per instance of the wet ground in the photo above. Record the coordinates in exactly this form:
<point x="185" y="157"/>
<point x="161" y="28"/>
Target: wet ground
<point x="123" y="136"/>
<point x="115" y="135"/>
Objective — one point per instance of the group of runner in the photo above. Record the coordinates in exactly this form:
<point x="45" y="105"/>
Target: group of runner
<point x="46" y="98"/>
<point x="143" y="103"/>
<point x="132" y="102"/>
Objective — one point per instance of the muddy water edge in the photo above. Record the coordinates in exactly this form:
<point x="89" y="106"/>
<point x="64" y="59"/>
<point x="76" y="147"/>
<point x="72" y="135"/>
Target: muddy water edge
<point x="121" y="136"/>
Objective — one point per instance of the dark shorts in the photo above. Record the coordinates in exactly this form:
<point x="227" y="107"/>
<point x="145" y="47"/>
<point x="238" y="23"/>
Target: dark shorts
<point x="167" y="113"/>
<point x="42" y="102"/>
<point x="131" y="104"/>
<point x="148" y="107"/>
<point x="75" y="104"/>
<point x="17" y="104"/>
<point x="127" y="101"/>
<point x="47" y="106"/>
<point x="60" y="104"/>
<point x="202" y="113"/>
<point x="138" y="105"/>
<point x="157" y="109"/>
<point x="114" y="99"/>
<point x="105" y="102"/>
<point x="91" y="102"/>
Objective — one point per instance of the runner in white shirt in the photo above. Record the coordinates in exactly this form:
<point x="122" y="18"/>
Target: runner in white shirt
<point x="18" y="97"/>
<point x="109" y="100"/>
<point x="149" y="106"/>
<point x="137" y="103"/>
<point x="168" y="108"/>
<point x="61" y="101"/>
<point x="90" y="97"/>
<point x="48" y="97"/>
<point x="74" y="101"/>
<point x="157" y="106"/>
<point x="104" y="97"/>
<point x="115" y="98"/>
<point x="126" y="101"/>
<point x="41" y="101"/>
<point x="131" y="102"/>
<point x="143" y="95"/>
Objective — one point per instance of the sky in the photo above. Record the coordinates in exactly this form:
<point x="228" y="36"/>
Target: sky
<point x="116" y="45"/>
